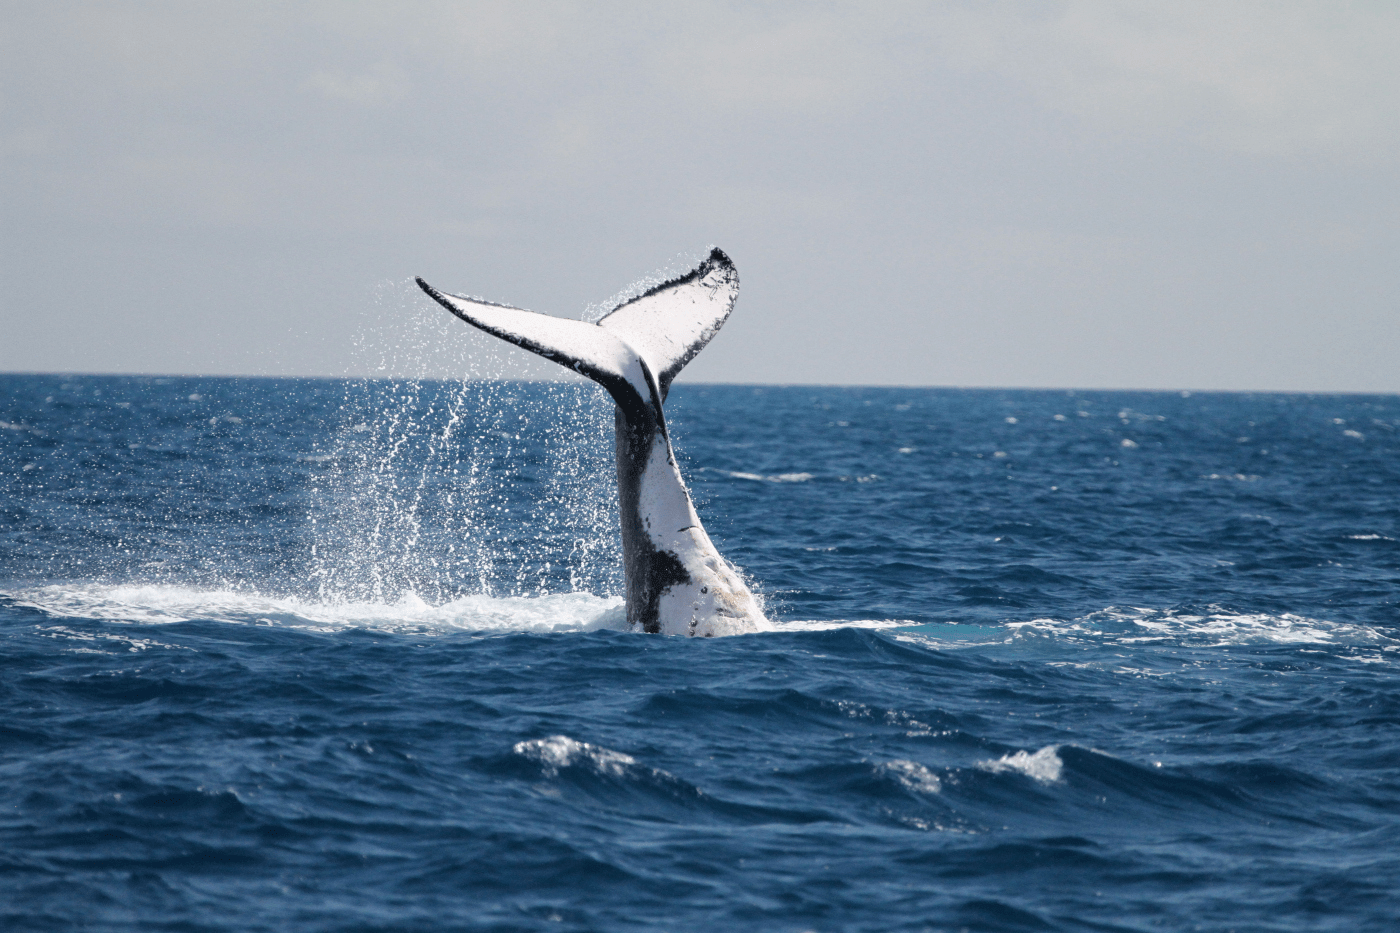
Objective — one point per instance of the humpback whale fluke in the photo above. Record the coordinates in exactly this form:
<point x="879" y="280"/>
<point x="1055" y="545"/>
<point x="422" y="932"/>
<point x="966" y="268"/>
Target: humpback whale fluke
<point x="677" y="583"/>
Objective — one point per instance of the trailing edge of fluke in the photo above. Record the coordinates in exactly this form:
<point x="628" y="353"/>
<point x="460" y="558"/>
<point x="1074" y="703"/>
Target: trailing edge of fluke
<point x="677" y="583"/>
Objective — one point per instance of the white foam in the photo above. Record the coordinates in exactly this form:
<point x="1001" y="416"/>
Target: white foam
<point x="106" y="642"/>
<point x="1132" y="627"/>
<point x="1045" y="765"/>
<point x="155" y="604"/>
<point x="1211" y="628"/>
<point x="560" y="751"/>
<point x="161" y="604"/>
<point x="818" y="625"/>
<point x="913" y="776"/>
<point x="586" y="612"/>
<point x="759" y="477"/>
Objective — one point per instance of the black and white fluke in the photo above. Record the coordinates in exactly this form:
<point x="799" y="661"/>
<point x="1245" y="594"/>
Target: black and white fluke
<point x="677" y="583"/>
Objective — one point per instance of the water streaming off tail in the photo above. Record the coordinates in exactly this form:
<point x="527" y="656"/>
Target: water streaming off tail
<point x="441" y="488"/>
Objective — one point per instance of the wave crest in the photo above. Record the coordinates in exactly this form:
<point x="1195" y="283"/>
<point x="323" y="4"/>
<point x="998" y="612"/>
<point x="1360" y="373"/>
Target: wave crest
<point x="560" y="751"/>
<point x="1044" y="766"/>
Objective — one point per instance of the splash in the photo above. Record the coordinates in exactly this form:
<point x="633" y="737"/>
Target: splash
<point x="680" y="264"/>
<point x="162" y="604"/>
<point x="440" y="489"/>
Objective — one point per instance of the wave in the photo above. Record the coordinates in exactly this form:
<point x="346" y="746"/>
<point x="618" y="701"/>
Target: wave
<point x="759" y="477"/>
<point x="560" y="751"/>
<point x="1209" y="626"/>
<point x="562" y="767"/>
<point x="912" y="776"/>
<point x="1045" y="765"/>
<point x="1194" y="627"/>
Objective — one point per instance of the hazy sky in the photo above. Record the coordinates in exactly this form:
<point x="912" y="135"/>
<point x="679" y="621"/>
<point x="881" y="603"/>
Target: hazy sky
<point x="1153" y="195"/>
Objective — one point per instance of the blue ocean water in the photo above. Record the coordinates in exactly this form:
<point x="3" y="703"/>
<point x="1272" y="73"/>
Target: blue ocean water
<point x="346" y="655"/>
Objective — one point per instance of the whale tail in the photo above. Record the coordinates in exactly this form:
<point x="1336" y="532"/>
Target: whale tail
<point x="676" y="581"/>
<point x="637" y="348"/>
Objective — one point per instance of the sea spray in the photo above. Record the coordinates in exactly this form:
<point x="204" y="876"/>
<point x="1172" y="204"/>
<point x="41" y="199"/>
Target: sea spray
<point x="442" y="488"/>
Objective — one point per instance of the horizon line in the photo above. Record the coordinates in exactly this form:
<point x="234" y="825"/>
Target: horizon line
<point x="772" y="385"/>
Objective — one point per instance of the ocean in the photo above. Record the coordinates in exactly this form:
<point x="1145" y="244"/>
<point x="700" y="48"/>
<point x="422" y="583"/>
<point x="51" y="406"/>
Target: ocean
<point x="347" y="655"/>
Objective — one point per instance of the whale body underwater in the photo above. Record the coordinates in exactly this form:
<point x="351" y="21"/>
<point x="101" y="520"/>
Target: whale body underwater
<point x="677" y="582"/>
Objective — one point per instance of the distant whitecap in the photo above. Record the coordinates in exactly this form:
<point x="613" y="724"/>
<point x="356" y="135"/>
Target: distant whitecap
<point x="1044" y="766"/>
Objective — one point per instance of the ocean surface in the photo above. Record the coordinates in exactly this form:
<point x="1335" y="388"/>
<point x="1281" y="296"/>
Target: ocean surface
<point x="325" y="655"/>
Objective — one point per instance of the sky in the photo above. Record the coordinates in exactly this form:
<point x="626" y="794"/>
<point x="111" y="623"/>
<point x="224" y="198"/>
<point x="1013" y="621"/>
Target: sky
<point x="1039" y="194"/>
